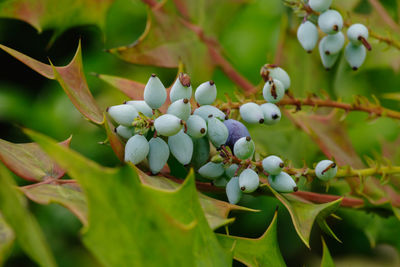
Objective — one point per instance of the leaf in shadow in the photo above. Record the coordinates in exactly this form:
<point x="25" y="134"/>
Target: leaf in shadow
<point x="327" y="260"/>
<point x="262" y="251"/>
<point x="71" y="78"/>
<point x="29" y="161"/>
<point x="7" y="238"/>
<point x="27" y="230"/>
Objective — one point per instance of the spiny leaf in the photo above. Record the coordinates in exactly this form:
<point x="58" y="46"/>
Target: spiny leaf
<point x="29" y="161"/>
<point x="7" y="238"/>
<point x="115" y="142"/>
<point x="58" y="15"/>
<point x="326" y="256"/>
<point x="132" y="89"/>
<point x="304" y="214"/>
<point x="68" y="195"/>
<point x="70" y="77"/>
<point x="262" y="251"/>
<point x="28" y="233"/>
<point x="117" y="195"/>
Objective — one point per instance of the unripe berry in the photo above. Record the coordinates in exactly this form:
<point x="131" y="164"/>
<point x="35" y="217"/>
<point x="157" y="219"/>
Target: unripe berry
<point x="181" y="146"/>
<point x="355" y="55"/>
<point x="206" y="93"/>
<point x="141" y="106"/>
<point x="231" y="170"/>
<point x="282" y="182"/>
<point x="196" y="126"/>
<point x="217" y="132"/>
<point x="244" y="148"/>
<point x="167" y="125"/>
<point x="251" y="113"/>
<point x="273" y="91"/>
<point x="181" y="88"/>
<point x="154" y="92"/>
<point x="125" y="132"/>
<point x="207" y="110"/>
<point x="180" y="108"/>
<point x="233" y="191"/>
<point x="330" y="22"/>
<point x="327" y="60"/>
<point x="319" y="5"/>
<point x="275" y="72"/>
<point x="158" y="154"/>
<point x="273" y="165"/>
<point x="248" y="181"/>
<point x="211" y="170"/>
<point x="271" y="112"/>
<point x="333" y="43"/>
<point x="307" y="34"/>
<point x="136" y="149"/>
<point x="123" y="114"/>
<point x="356" y="33"/>
<point x="220" y="182"/>
<point x="326" y="170"/>
<point x="236" y="131"/>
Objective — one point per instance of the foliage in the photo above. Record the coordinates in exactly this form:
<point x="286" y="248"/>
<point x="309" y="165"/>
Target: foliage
<point x="176" y="218"/>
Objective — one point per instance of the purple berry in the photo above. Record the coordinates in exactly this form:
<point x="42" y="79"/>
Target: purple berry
<point x="236" y="130"/>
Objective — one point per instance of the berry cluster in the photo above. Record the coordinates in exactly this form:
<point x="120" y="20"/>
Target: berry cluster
<point x="331" y="22"/>
<point x="186" y="133"/>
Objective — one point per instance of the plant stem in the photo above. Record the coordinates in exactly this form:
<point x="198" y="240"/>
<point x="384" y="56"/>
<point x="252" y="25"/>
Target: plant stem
<point x="372" y="109"/>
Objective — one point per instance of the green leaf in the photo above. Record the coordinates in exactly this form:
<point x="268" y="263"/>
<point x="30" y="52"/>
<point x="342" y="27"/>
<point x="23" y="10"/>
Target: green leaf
<point x="7" y="238"/>
<point x="304" y="213"/>
<point x="174" y="33"/>
<point x="28" y="233"/>
<point x="262" y="251"/>
<point x="117" y="196"/>
<point x="327" y="260"/>
<point x="58" y="15"/>
<point x="29" y="161"/>
<point x="68" y="195"/>
<point x="71" y="78"/>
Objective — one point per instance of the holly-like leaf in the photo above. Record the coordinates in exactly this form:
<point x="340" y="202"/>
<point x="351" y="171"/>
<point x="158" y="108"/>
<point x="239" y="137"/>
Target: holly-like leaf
<point x="115" y="142"/>
<point x="181" y="32"/>
<point x="7" y="238"/>
<point x="116" y="195"/>
<point x="28" y="233"/>
<point x="68" y="195"/>
<point x="327" y="260"/>
<point x="304" y="214"/>
<point x="71" y="78"/>
<point x="29" y="161"/>
<point x="262" y="251"/>
<point x="132" y="89"/>
<point x="58" y="15"/>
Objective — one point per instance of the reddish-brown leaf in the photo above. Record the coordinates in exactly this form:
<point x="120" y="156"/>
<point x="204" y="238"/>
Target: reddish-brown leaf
<point x="132" y="89"/>
<point x="29" y="161"/>
<point x="71" y="79"/>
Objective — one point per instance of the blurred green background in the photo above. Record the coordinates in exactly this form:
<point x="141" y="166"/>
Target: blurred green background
<point x="250" y="38"/>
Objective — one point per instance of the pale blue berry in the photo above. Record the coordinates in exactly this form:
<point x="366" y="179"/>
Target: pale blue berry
<point x="123" y="114"/>
<point x="330" y="22"/>
<point x="196" y="126"/>
<point x="273" y="91"/>
<point x="319" y="5"/>
<point x="217" y="132"/>
<point x="180" y="108"/>
<point x="333" y="43"/>
<point x="208" y="111"/>
<point x="248" y="181"/>
<point x="167" y="125"/>
<point x="211" y="170"/>
<point x="125" y="132"/>
<point x="282" y="182"/>
<point x="307" y="34"/>
<point x="206" y="93"/>
<point x="271" y="113"/>
<point x="326" y="170"/>
<point x="181" y="88"/>
<point x="141" y="106"/>
<point x="355" y="55"/>
<point x="181" y="146"/>
<point x="233" y="191"/>
<point x="154" y="92"/>
<point x="136" y="149"/>
<point x="251" y="113"/>
<point x="158" y="154"/>
<point x="244" y="148"/>
<point x="327" y="60"/>
<point x="231" y="170"/>
<point x="273" y="165"/>
<point x="356" y="33"/>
